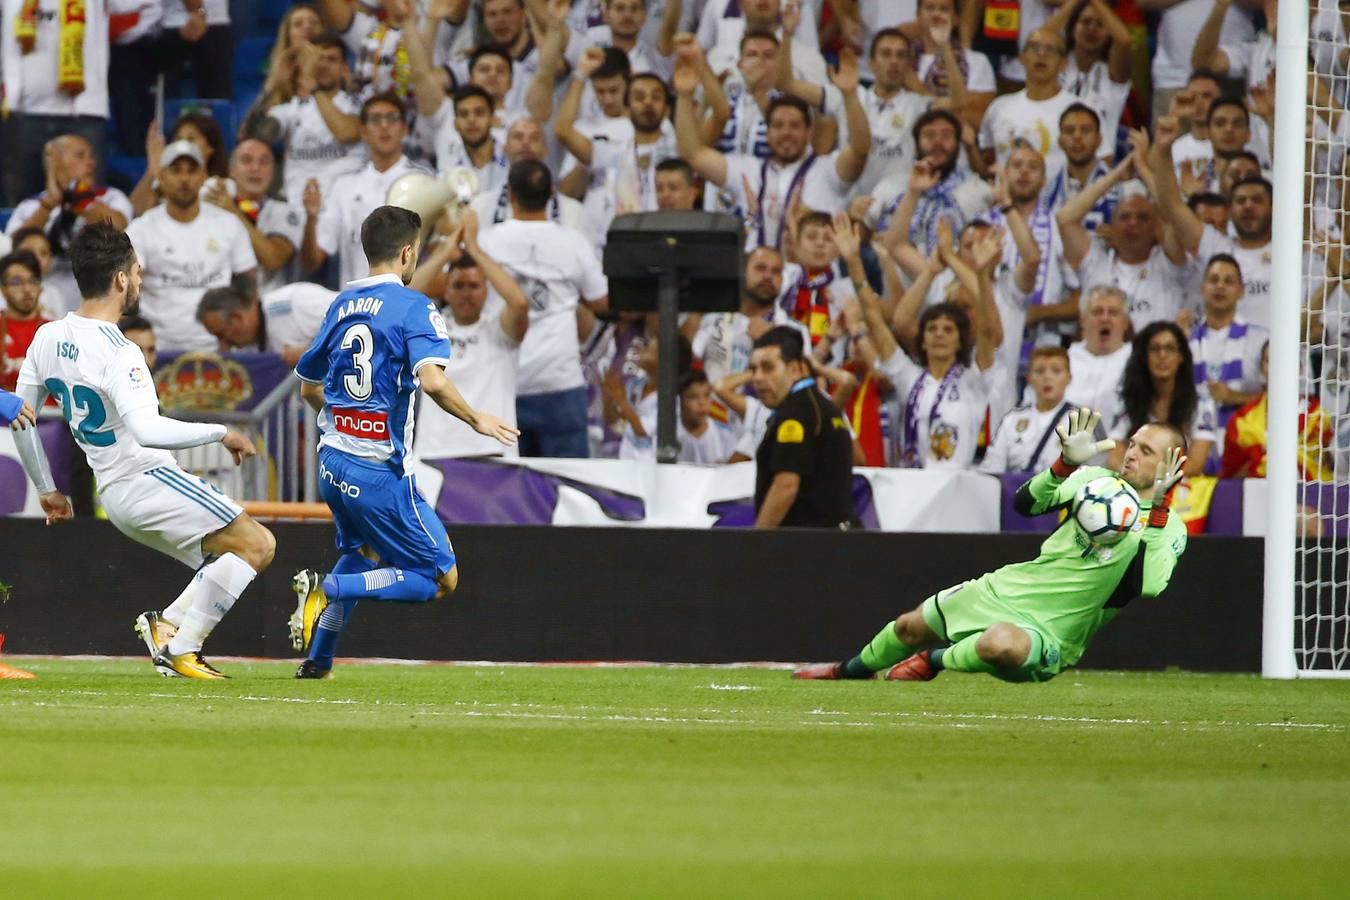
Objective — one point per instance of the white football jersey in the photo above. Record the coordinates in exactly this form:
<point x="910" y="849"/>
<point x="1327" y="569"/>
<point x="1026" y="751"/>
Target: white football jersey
<point x="97" y="376"/>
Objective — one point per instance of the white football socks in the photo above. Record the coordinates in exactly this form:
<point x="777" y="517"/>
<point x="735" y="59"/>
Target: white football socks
<point x="176" y="611"/>
<point x="217" y="586"/>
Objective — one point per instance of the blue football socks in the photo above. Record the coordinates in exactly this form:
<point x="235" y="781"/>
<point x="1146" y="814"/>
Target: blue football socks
<point x="323" y="646"/>
<point x="389" y="584"/>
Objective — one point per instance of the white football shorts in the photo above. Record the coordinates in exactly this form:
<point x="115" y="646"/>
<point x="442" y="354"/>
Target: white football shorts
<point x="168" y="510"/>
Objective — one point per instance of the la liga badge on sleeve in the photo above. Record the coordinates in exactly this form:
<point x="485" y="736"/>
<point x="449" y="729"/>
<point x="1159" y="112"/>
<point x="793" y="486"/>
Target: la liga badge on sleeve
<point x="791" y="432"/>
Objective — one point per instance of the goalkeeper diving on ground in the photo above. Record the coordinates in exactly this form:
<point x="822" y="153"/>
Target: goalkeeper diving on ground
<point x="1029" y="621"/>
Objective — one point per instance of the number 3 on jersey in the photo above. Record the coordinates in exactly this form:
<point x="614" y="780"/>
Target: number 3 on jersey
<point x="94" y="415"/>
<point x="359" y="385"/>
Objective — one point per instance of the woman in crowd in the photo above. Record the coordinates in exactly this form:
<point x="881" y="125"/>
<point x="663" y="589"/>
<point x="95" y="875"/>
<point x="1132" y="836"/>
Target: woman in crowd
<point x="1159" y="386"/>
<point x="944" y="392"/>
<point x="1100" y="60"/>
<point x="300" y="24"/>
<point x="199" y="128"/>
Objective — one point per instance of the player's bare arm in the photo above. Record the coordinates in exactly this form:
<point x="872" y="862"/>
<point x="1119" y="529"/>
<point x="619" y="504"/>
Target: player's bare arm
<point x="441" y="389"/>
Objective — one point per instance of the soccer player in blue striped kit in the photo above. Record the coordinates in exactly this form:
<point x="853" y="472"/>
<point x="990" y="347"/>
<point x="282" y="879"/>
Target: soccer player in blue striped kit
<point x="379" y="343"/>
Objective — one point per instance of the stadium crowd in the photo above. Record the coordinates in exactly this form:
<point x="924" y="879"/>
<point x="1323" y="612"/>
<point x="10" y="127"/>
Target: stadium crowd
<point x="980" y="215"/>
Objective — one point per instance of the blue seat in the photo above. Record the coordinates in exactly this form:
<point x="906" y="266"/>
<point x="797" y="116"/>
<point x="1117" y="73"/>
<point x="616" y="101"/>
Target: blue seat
<point x="250" y="56"/>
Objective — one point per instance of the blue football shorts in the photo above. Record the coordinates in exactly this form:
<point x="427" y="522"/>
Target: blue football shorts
<point x="375" y="507"/>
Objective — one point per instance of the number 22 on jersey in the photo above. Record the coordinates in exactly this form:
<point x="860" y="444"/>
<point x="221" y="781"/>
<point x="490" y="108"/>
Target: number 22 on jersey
<point x="89" y="430"/>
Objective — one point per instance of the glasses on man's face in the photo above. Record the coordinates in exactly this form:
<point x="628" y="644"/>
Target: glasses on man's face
<point x="16" y="284"/>
<point x="1042" y="48"/>
<point x="383" y="119"/>
<point x="1163" y="350"/>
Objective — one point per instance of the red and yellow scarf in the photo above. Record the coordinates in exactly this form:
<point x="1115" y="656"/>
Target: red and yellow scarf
<point x="70" y="40"/>
<point x="811" y="305"/>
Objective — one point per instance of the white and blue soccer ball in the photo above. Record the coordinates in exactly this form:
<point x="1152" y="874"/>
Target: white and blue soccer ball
<point x="1106" y="509"/>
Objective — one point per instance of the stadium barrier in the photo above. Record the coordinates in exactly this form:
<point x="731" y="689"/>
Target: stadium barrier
<point x="674" y="595"/>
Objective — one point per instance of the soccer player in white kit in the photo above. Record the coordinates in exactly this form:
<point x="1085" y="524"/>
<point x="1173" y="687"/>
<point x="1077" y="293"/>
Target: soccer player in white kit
<point x="108" y="399"/>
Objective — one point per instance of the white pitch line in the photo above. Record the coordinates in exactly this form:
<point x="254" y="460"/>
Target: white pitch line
<point x="661" y="715"/>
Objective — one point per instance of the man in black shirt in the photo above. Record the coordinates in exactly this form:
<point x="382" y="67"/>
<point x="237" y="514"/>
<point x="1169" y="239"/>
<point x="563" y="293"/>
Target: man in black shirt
<point x="804" y="465"/>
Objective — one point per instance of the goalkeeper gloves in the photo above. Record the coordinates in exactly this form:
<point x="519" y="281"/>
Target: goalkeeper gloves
<point x="1165" y="480"/>
<point x="1077" y="443"/>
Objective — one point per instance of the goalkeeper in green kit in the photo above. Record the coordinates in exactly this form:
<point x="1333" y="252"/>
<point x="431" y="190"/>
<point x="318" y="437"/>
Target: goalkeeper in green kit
<point x="1029" y="621"/>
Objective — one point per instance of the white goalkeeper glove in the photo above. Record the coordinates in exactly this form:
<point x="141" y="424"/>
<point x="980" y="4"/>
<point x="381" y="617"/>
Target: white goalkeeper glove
<point x="1165" y="477"/>
<point x="1077" y="444"/>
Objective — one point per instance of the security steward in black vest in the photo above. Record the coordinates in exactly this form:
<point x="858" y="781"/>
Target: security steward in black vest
<point x="804" y="466"/>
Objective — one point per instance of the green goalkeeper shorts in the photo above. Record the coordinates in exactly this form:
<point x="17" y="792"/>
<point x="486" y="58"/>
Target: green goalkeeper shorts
<point x="968" y="608"/>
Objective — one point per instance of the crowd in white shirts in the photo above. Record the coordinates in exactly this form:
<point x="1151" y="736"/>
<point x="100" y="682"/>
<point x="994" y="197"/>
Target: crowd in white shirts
<point x="977" y="222"/>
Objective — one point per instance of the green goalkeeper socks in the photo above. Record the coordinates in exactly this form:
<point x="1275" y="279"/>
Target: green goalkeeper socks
<point x="882" y="652"/>
<point x="961" y="657"/>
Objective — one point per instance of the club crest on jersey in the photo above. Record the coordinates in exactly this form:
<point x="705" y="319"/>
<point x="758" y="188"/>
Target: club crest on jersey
<point x="212" y="245"/>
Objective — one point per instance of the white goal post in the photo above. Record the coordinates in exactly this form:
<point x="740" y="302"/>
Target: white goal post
<point x="1306" y="616"/>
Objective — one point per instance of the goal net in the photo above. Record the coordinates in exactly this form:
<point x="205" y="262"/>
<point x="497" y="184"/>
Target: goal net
<point x="1308" y="522"/>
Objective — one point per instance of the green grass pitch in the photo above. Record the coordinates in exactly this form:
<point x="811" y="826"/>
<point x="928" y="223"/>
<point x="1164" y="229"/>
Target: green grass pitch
<point x="434" y="781"/>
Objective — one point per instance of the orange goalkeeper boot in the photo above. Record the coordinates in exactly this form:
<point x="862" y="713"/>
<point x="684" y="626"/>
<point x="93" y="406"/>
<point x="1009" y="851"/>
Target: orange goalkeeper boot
<point x="821" y="672"/>
<point x="918" y="667"/>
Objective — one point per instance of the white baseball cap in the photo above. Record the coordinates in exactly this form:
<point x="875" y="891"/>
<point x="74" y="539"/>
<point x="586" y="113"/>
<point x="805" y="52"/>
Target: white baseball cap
<point x="177" y="150"/>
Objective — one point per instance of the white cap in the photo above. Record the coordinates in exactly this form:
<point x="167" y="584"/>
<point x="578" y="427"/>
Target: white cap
<point x="177" y="150"/>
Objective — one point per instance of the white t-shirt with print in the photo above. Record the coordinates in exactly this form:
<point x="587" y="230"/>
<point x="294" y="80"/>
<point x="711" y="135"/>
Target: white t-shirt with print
<point x="31" y="80"/>
<point x="311" y="150"/>
<point x="1011" y="303"/>
<point x="375" y="46"/>
<point x="1254" y="307"/>
<point x="179" y="262"/>
<point x="556" y="268"/>
<point x="1018" y="435"/>
<point x="631" y="445"/>
<point x="753" y="425"/>
<point x="277" y="217"/>
<point x="345" y="206"/>
<point x="891" y="123"/>
<point x="1190" y="151"/>
<point x="1095" y="88"/>
<point x="1156" y="288"/>
<point x="1177" y="30"/>
<point x="623" y="177"/>
<point x="979" y="70"/>
<point x="724" y="344"/>
<point x="820" y="188"/>
<point x="1015" y="117"/>
<point x="713" y="447"/>
<point x="294" y="313"/>
<point x="879" y="14"/>
<point x="484" y="361"/>
<point x="1252" y="60"/>
<point x="948" y="426"/>
<point x="1096" y="379"/>
<point x="494" y="208"/>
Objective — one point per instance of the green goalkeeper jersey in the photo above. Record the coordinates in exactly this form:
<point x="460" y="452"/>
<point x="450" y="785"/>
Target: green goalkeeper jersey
<point x="1075" y="587"/>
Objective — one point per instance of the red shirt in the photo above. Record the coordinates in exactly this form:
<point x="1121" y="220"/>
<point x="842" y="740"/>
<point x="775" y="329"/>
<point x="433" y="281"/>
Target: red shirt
<point x="18" y="335"/>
